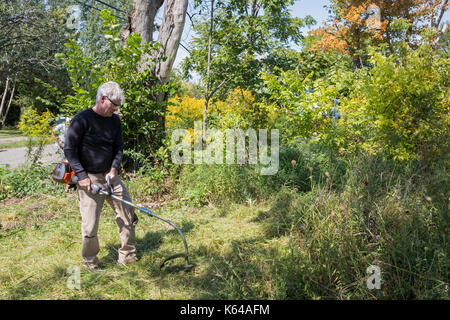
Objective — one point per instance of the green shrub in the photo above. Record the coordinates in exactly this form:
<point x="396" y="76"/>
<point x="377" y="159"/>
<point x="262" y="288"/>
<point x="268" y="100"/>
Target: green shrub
<point x="398" y="105"/>
<point x="299" y="165"/>
<point x="202" y="184"/>
<point x="154" y="180"/>
<point x="305" y="162"/>
<point x="25" y="181"/>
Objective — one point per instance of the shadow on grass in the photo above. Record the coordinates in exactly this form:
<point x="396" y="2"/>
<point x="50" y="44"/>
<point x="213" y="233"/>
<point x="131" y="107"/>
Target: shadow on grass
<point x="149" y="243"/>
<point x="247" y="271"/>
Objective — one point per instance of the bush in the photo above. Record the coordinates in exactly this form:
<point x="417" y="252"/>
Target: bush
<point x="305" y="162"/>
<point x="25" y="181"/>
<point x="38" y="126"/>
<point x="299" y="166"/>
<point x="154" y="180"/>
<point x="203" y="184"/>
<point x="397" y="106"/>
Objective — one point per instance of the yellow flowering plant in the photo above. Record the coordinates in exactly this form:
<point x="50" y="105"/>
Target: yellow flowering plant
<point x="38" y="128"/>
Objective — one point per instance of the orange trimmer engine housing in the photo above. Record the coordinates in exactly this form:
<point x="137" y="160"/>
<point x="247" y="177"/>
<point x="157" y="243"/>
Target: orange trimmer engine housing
<point x="63" y="173"/>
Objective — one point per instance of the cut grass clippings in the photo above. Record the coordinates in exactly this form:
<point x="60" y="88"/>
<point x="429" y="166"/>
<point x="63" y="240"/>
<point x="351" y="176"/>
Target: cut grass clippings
<point x="40" y="239"/>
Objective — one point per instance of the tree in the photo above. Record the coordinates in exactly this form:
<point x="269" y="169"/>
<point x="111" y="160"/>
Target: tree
<point x="4" y="96"/>
<point x="237" y="40"/>
<point x="351" y="27"/>
<point x="9" y="105"/>
<point x="170" y="31"/>
<point x="31" y="33"/>
<point x="209" y="92"/>
<point x="89" y="34"/>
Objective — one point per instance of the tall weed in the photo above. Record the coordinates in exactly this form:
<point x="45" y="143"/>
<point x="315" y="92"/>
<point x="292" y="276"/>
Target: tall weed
<point x="382" y="217"/>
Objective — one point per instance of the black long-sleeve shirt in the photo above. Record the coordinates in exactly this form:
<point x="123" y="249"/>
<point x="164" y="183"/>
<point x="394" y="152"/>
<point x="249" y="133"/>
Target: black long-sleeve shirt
<point x="94" y="144"/>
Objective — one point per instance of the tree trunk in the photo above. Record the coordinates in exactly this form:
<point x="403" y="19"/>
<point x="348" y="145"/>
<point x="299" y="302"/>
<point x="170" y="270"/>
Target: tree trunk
<point x="4" y="96"/>
<point x="170" y="31"/>
<point x="440" y="15"/>
<point x="205" y="113"/>
<point x="142" y="19"/>
<point x="170" y="36"/>
<point x="9" y="105"/>
<point x="207" y="96"/>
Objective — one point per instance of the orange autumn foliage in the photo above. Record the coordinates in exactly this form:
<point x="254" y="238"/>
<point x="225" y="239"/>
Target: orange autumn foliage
<point x="352" y="22"/>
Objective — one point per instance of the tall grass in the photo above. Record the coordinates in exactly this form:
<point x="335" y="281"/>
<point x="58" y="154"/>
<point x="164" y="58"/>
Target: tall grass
<point x="328" y="225"/>
<point x="10" y="133"/>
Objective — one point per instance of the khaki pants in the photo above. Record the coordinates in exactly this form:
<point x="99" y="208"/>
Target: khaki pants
<point x="91" y="207"/>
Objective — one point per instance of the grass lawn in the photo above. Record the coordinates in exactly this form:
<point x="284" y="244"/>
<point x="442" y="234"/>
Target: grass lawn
<point x="10" y="133"/>
<point x="9" y="139"/>
<point x="40" y="240"/>
<point x="16" y="144"/>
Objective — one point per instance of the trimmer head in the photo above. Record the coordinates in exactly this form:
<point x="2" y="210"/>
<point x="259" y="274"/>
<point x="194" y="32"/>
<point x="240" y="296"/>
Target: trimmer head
<point x="187" y="267"/>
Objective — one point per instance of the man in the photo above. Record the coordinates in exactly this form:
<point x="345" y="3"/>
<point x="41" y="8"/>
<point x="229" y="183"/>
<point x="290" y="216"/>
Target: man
<point x="94" y="149"/>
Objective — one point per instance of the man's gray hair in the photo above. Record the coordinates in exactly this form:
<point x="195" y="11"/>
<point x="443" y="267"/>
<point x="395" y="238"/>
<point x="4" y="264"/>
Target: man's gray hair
<point x="112" y="90"/>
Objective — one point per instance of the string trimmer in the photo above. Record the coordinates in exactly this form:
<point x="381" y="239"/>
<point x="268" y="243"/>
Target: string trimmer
<point x="63" y="173"/>
<point x="109" y="192"/>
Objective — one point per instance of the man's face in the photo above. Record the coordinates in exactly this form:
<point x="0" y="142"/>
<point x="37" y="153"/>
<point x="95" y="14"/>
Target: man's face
<point x="109" y="106"/>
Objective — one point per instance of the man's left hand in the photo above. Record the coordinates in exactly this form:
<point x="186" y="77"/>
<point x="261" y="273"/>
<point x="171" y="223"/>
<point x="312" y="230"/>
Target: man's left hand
<point x="112" y="175"/>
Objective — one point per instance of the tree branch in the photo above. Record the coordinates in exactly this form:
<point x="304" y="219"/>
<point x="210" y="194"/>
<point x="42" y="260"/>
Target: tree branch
<point x="443" y="9"/>
<point x="217" y="88"/>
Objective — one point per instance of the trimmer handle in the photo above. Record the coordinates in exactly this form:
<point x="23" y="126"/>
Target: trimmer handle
<point x="95" y="188"/>
<point x="109" y="185"/>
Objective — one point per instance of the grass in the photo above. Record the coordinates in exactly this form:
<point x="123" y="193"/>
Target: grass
<point x="10" y="133"/>
<point x="40" y="241"/>
<point x="17" y="144"/>
<point x="20" y="143"/>
<point x="314" y="244"/>
<point x="10" y="139"/>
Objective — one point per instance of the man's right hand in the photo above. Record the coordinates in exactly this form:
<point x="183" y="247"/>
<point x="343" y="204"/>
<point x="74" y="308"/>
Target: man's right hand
<point x="85" y="184"/>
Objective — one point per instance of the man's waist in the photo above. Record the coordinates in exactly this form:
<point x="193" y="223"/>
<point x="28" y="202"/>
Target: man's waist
<point x="97" y="169"/>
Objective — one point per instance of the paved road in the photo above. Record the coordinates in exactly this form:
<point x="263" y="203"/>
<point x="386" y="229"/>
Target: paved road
<point x="17" y="156"/>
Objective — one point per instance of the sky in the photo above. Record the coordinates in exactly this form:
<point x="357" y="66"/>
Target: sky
<point x="314" y="8"/>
